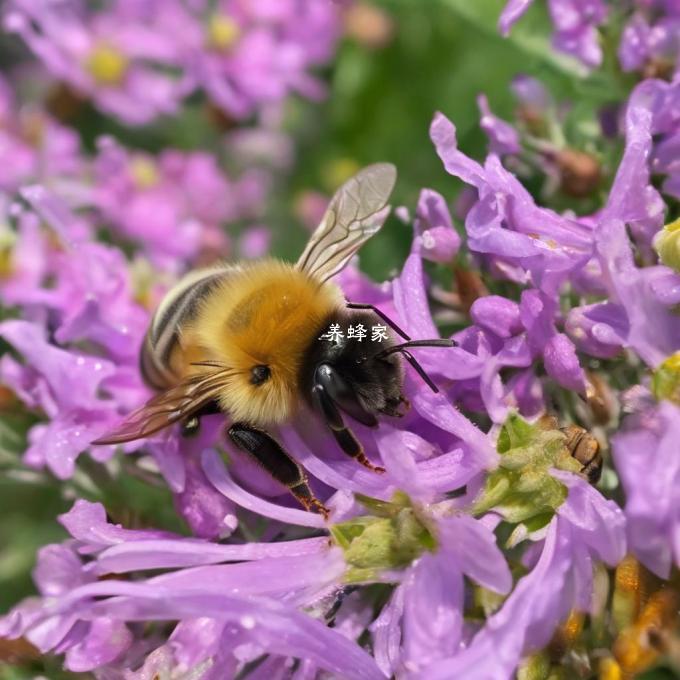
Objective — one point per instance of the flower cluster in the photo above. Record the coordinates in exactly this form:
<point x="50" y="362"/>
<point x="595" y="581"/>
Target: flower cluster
<point x="649" y="43"/>
<point x="486" y="547"/>
<point x="140" y="60"/>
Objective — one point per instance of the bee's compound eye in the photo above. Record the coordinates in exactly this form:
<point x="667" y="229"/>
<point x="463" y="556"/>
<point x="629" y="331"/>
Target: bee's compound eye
<point x="259" y="374"/>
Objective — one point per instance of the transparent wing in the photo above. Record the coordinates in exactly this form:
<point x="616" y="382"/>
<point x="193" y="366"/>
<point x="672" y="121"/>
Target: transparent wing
<point x="356" y="212"/>
<point x="166" y="408"/>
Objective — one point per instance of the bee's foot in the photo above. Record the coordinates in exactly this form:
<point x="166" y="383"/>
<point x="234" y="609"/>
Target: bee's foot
<point x="367" y="464"/>
<point x="405" y="405"/>
<point x="317" y="506"/>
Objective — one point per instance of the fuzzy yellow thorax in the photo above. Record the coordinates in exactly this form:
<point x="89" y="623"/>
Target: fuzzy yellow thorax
<point x="268" y="313"/>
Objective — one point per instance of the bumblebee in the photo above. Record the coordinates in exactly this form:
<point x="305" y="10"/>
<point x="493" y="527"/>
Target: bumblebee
<point x="247" y="340"/>
<point x="586" y="450"/>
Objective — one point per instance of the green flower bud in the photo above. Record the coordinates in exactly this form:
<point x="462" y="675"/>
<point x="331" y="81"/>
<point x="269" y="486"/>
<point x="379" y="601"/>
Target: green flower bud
<point x="666" y="380"/>
<point x="522" y="488"/>
<point x="390" y="539"/>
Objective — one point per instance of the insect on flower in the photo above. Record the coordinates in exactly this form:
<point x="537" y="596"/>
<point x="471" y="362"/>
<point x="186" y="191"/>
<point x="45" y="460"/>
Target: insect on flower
<point x="244" y="339"/>
<point x="582" y="446"/>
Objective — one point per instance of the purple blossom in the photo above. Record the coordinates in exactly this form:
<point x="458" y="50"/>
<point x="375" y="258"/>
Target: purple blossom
<point x="255" y="54"/>
<point x="63" y="385"/>
<point x="641" y="292"/>
<point x="645" y="453"/>
<point x="575" y="23"/>
<point x="147" y="198"/>
<point x="243" y="595"/>
<point x="506" y="225"/>
<point x="651" y="46"/>
<point x="663" y="101"/>
<point x="260" y="588"/>
<point x="586" y="527"/>
<point x="511" y="335"/>
<point x="423" y="622"/>
<point x="436" y="238"/>
<point x="119" y="59"/>
<point x="503" y="138"/>
<point x="40" y="148"/>
<point x="599" y="329"/>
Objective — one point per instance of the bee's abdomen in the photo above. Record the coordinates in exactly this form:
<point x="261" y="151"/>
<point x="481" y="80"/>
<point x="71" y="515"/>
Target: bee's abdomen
<point x="178" y="308"/>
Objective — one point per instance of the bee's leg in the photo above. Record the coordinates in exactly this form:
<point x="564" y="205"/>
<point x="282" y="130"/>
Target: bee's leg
<point x="272" y="457"/>
<point x="382" y="315"/>
<point x="340" y="392"/>
<point x="329" y="616"/>
<point x="343" y="435"/>
<point x="191" y="425"/>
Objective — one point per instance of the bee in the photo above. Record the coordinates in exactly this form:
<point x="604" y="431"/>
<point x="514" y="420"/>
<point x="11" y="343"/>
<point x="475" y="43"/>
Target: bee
<point x="581" y="445"/>
<point x="247" y="340"/>
<point x="586" y="450"/>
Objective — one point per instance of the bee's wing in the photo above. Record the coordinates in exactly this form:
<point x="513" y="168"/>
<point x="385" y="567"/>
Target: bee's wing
<point x="168" y="407"/>
<point x="355" y="213"/>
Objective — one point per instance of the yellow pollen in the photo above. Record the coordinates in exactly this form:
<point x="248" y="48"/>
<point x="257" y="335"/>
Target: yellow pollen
<point x="144" y="172"/>
<point x="107" y="64"/>
<point x="7" y="241"/>
<point x="6" y="262"/>
<point x="223" y="31"/>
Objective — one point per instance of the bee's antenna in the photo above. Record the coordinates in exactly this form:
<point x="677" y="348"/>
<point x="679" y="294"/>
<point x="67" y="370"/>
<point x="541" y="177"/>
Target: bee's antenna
<point x="412" y="360"/>
<point x="438" y="342"/>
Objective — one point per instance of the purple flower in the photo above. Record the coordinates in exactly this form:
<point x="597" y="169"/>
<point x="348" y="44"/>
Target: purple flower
<point x="599" y="329"/>
<point x="25" y="256"/>
<point x="423" y="621"/>
<point x="184" y="195"/>
<point x="503" y="138"/>
<point x="651" y="46"/>
<point x="92" y="620"/>
<point x="663" y="101"/>
<point x="575" y="23"/>
<point x="253" y="55"/>
<point x="641" y="292"/>
<point x="436" y="238"/>
<point x="120" y="59"/>
<point x="645" y="453"/>
<point x="586" y="527"/>
<point x="632" y="198"/>
<point x="511" y="335"/>
<point x="64" y="386"/>
<point x="39" y="147"/>
<point x="81" y="293"/>
<point x="506" y="225"/>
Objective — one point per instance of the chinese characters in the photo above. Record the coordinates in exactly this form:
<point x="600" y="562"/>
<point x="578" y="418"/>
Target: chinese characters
<point x="358" y="331"/>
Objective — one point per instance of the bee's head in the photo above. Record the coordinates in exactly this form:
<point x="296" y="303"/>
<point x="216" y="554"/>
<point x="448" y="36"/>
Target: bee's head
<point x="364" y="374"/>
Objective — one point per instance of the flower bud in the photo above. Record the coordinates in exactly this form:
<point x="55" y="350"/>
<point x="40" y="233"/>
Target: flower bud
<point x="667" y="244"/>
<point x="666" y="380"/>
<point x="581" y="172"/>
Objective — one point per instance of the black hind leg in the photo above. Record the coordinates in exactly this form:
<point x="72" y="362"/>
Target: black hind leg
<point x="343" y="435"/>
<point x="273" y="458"/>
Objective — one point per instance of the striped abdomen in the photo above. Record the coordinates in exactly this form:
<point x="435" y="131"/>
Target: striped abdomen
<point x="164" y="337"/>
